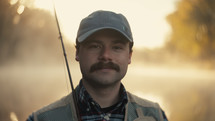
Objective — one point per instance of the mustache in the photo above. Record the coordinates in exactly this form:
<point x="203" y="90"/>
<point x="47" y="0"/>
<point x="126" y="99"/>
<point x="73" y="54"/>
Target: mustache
<point x="102" y="65"/>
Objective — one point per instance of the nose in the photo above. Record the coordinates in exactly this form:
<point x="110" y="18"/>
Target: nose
<point x="105" y="54"/>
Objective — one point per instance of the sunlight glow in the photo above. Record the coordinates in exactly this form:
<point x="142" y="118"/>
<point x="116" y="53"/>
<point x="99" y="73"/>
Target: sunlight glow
<point x="13" y="116"/>
<point x="12" y="2"/>
<point x="146" y="17"/>
<point x="149" y="97"/>
<point x="44" y="4"/>
<point x="155" y="99"/>
<point x="16" y="19"/>
<point x="20" y="9"/>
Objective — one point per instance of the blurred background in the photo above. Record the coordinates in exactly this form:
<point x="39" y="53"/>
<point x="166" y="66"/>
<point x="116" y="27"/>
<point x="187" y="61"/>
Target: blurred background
<point x="173" y="61"/>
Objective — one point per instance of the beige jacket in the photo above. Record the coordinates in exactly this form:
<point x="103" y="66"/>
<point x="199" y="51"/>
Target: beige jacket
<point x="137" y="109"/>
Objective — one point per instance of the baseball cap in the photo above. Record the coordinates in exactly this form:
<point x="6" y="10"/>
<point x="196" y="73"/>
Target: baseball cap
<point x="100" y="20"/>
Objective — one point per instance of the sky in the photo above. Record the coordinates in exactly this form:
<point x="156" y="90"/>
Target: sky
<point x="147" y="18"/>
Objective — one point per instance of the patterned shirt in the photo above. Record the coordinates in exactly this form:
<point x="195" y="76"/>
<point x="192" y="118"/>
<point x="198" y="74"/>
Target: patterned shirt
<point x="91" y="110"/>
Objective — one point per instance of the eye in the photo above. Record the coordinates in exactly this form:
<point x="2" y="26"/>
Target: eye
<point x="117" y="47"/>
<point x="94" y="46"/>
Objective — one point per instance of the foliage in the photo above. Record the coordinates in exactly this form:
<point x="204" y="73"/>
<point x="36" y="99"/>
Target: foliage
<point x="193" y="29"/>
<point x="29" y="36"/>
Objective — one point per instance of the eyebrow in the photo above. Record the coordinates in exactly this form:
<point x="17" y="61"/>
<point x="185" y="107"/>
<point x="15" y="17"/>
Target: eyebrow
<point x="91" y="41"/>
<point x="119" y="40"/>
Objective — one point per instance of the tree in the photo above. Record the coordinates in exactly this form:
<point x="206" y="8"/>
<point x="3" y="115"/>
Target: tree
<point x="193" y="29"/>
<point x="29" y="35"/>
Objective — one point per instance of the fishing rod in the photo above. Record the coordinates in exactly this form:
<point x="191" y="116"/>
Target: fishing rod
<point x="67" y="65"/>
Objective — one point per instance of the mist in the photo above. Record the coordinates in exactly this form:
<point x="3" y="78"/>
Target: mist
<point x="33" y="72"/>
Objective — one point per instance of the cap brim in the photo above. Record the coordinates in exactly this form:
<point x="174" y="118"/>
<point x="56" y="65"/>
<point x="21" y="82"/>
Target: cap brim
<point x="87" y="34"/>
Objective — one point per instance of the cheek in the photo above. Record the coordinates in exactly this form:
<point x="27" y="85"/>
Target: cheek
<point x="124" y="61"/>
<point x="86" y="61"/>
<point x="126" y="58"/>
<point x="84" y="66"/>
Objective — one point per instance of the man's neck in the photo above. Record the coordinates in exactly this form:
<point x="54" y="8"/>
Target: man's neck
<point x="105" y="97"/>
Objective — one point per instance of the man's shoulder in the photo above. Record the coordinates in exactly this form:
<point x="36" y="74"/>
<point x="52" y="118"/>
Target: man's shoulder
<point x="57" y="104"/>
<point x="140" y="101"/>
<point x="135" y="102"/>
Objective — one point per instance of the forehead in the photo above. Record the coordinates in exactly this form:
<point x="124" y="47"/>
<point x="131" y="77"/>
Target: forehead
<point x="107" y="33"/>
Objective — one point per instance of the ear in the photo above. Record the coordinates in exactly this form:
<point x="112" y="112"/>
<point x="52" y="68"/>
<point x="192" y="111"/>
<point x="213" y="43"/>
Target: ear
<point x="77" y="56"/>
<point x="130" y="55"/>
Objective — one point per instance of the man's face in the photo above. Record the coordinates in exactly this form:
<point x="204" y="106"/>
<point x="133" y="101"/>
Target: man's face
<point x="104" y="58"/>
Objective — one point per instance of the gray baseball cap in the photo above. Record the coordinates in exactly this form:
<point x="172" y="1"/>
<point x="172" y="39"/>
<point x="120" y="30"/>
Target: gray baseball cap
<point x="100" y="20"/>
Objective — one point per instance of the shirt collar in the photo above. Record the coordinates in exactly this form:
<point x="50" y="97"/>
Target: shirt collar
<point x="85" y="98"/>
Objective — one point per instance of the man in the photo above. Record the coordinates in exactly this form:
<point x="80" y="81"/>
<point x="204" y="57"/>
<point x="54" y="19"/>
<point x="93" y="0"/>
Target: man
<point x="103" y="49"/>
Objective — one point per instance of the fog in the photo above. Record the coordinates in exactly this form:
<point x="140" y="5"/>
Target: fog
<point x="33" y="72"/>
<point x="186" y="94"/>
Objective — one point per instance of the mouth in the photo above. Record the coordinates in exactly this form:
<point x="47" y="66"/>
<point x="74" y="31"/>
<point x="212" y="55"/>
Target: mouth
<point x="104" y="67"/>
<point x="105" y="70"/>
